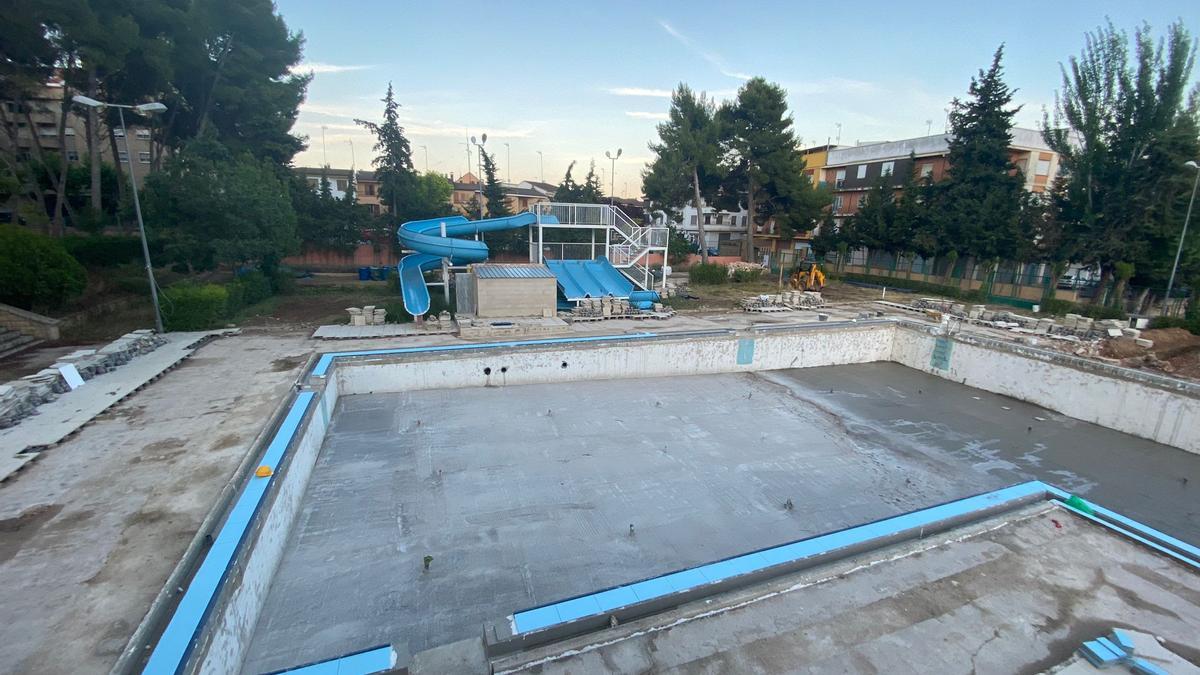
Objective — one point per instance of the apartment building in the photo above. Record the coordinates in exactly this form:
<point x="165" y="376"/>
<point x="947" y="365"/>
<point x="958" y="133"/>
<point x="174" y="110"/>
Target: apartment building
<point x="852" y="171"/>
<point x="519" y="196"/>
<point x="32" y="125"/>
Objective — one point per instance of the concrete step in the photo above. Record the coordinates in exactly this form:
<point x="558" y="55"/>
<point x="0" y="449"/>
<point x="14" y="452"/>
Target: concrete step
<point x="10" y="346"/>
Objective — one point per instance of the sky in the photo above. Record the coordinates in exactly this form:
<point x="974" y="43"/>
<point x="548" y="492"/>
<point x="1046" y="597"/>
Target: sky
<point x="574" y="80"/>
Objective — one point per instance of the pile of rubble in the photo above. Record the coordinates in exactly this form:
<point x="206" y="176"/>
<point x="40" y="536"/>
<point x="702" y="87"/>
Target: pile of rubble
<point x="1070" y="326"/>
<point x="782" y="302"/>
<point x="734" y="267"/>
<point x="20" y="398"/>
<point x="596" y="309"/>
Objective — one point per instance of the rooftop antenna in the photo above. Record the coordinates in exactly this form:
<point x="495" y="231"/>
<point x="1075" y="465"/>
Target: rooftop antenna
<point x="839" y="132"/>
<point x="928" y="127"/>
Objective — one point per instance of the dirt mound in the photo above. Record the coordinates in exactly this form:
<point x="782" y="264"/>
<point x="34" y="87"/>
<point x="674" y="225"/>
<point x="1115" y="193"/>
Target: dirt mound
<point x="1171" y="342"/>
<point x="1121" y="348"/>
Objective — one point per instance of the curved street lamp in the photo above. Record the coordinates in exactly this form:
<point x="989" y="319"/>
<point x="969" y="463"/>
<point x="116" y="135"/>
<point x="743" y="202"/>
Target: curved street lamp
<point x="612" y="175"/>
<point x="145" y="109"/>
<point x="1191" y="164"/>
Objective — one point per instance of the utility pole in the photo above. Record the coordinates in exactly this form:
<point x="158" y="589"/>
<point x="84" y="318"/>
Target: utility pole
<point x="1191" y="164"/>
<point x="612" y="175"/>
<point x="479" y="179"/>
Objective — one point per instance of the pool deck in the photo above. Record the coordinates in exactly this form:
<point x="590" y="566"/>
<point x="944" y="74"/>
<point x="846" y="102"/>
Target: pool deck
<point x="525" y="495"/>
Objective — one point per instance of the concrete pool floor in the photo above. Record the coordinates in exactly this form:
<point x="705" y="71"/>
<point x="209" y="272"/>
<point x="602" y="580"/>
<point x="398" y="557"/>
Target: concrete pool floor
<point x="525" y="495"/>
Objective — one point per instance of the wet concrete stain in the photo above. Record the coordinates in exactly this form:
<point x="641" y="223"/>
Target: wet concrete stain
<point x="16" y="531"/>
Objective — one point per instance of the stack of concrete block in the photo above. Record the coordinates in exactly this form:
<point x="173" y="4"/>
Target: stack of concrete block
<point x="356" y="316"/>
<point x="21" y="397"/>
<point x="976" y="311"/>
<point x="1069" y="322"/>
<point x="1131" y="333"/>
<point x="1083" y="325"/>
<point x="1044" y="326"/>
<point x="379" y="316"/>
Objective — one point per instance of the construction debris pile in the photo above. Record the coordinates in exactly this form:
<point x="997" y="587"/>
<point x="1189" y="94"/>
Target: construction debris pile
<point x="1071" y="326"/>
<point x="20" y="398"/>
<point x="734" y="267"/>
<point x="599" y="309"/>
<point x="782" y="302"/>
<point x="369" y="315"/>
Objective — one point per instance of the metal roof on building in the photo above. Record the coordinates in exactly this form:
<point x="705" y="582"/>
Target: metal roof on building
<point x="500" y="271"/>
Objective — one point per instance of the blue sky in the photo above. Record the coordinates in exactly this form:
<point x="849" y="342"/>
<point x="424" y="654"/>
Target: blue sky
<point x="575" y="79"/>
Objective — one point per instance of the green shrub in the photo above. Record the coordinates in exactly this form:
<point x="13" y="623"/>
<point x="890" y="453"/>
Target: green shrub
<point x="1057" y="307"/>
<point x="916" y="285"/>
<point x="104" y="251"/>
<point x="236" y="298"/>
<point x="708" y="273"/>
<point x="1192" y="325"/>
<point x="283" y="281"/>
<point x="36" y="272"/>
<point x="742" y="276"/>
<point x="255" y="285"/>
<point x="189" y="306"/>
<point x="1101" y="312"/>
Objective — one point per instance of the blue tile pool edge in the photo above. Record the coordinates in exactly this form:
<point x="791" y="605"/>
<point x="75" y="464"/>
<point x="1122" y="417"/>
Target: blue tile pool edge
<point x="362" y="662"/>
<point x="549" y="615"/>
<point x="175" y="643"/>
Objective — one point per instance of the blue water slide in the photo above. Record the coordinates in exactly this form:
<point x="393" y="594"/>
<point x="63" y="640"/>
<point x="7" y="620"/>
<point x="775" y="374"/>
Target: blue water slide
<point x="425" y="237"/>
<point x="582" y="279"/>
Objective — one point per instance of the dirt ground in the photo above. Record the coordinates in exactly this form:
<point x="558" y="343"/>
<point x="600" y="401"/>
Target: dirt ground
<point x="1175" y="352"/>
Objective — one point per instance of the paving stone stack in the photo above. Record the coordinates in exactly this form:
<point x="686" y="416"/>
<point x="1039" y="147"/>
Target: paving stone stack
<point x="20" y="398"/>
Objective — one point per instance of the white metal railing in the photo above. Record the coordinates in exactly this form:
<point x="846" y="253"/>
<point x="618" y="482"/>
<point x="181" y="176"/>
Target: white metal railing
<point x="626" y="244"/>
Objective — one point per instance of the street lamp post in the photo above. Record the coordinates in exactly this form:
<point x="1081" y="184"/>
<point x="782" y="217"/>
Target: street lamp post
<point x="479" y="179"/>
<point x="426" y="149"/>
<point x="145" y="109"/>
<point x="612" y="174"/>
<point x="1182" y="235"/>
<point x="508" y="162"/>
<point x="541" y="168"/>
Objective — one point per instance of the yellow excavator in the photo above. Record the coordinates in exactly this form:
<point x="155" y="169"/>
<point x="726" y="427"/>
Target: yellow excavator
<point x="807" y="277"/>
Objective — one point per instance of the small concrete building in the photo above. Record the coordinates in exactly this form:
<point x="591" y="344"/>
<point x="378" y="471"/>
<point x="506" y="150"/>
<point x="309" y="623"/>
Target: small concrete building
<point x="502" y="290"/>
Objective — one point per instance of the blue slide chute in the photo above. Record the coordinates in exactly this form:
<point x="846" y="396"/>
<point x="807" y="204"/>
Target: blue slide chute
<point x="425" y="237"/>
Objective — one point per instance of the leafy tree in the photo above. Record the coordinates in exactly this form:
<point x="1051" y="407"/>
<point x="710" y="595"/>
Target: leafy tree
<point x="765" y="166"/>
<point x="687" y="158"/>
<point x="323" y="220"/>
<point x="983" y="193"/>
<point x="214" y="207"/>
<point x="493" y="190"/>
<point x="1122" y="129"/>
<point x="872" y="225"/>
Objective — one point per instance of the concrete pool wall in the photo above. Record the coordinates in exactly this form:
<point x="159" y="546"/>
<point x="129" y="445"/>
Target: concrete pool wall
<point x="1152" y="407"/>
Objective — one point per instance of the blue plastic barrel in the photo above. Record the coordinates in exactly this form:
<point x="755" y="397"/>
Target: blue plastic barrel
<point x="380" y="273"/>
<point x="364" y="274"/>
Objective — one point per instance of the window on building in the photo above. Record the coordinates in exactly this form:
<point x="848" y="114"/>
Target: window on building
<point x="341" y="184"/>
<point x="370" y="189"/>
<point x="887" y="168"/>
<point x="119" y="133"/>
<point x="72" y="156"/>
<point x="47" y="130"/>
<point x="841" y="178"/>
<point x="1043" y="167"/>
<point x="862" y="171"/>
<point x="69" y="131"/>
<point x="720" y="218"/>
<point x="143" y="134"/>
<point x="694" y="220"/>
<point x="708" y="219"/>
<point x="144" y="157"/>
<point x="838" y="201"/>
<point x="926" y="170"/>
<point x="123" y="156"/>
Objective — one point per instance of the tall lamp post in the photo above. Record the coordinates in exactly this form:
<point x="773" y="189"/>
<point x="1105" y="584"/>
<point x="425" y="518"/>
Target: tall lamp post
<point x="612" y="175"/>
<point x="508" y="162"/>
<point x="144" y="109"/>
<point x="541" y="168"/>
<point x="479" y="179"/>
<point x="426" y="149"/>
<point x="1191" y="164"/>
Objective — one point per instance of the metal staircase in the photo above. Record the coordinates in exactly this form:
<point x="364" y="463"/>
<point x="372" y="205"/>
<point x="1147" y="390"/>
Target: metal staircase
<point x="627" y="245"/>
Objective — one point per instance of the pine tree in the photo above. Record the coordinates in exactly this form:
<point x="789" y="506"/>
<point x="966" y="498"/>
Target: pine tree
<point x="764" y="164"/>
<point x="983" y="193"/>
<point x="393" y="163"/>
<point x="568" y="192"/>
<point x="493" y="190"/>
<point x="687" y="163"/>
<point x="591" y="192"/>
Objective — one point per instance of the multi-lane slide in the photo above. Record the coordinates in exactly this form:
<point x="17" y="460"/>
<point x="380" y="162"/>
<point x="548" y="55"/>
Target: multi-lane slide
<point x="426" y="238"/>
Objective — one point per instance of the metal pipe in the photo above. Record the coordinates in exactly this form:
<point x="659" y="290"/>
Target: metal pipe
<point x="137" y="208"/>
<point x="1182" y="235"/>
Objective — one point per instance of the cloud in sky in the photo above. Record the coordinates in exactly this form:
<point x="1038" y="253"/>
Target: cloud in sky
<point x="715" y="59"/>
<point x="321" y="68"/>
<point x="642" y="115"/>
<point x="640" y="91"/>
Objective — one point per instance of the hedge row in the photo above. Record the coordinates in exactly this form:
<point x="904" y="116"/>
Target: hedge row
<point x="106" y="250"/>
<point x="191" y="306"/>
<point x="1060" y="307"/>
<point x="975" y="295"/>
<point x="36" y="272"/>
